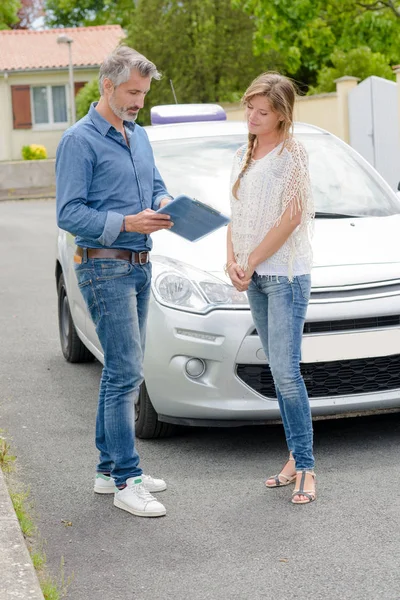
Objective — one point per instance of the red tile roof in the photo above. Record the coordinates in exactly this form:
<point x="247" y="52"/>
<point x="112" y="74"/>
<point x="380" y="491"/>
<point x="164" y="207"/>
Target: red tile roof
<point x="31" y="49"/>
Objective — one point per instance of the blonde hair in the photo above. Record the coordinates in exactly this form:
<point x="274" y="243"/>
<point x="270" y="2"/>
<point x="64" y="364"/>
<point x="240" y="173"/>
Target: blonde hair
<point x="281" y="94"/>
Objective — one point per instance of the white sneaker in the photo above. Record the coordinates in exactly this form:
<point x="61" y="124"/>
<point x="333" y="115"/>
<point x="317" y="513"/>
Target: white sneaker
<point x="104" y="484"/>
<point x="153" y="485"/>
<point x="137" y="500"/>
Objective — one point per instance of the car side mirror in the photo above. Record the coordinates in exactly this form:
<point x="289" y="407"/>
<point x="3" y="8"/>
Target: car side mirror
<point x="398" y="186"/>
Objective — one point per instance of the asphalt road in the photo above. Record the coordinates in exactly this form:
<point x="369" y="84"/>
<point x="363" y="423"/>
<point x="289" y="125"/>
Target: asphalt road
<point x="225" y="537"/>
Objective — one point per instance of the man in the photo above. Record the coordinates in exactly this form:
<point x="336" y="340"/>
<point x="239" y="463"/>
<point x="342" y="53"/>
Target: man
<point x="108" y="189"/>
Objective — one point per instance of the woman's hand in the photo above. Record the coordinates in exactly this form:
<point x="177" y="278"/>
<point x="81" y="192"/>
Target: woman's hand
<point x="238" y="277"/>
<point x="249" y="273"/>
<point x="251" y="267"/>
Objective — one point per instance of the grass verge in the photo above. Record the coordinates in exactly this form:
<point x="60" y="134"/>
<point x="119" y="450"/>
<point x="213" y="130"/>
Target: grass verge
<point x="51" y="589"/>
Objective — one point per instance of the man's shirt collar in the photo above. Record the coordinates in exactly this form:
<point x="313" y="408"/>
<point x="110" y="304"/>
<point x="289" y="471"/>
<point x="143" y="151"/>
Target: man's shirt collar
<point x="102" y="125"/>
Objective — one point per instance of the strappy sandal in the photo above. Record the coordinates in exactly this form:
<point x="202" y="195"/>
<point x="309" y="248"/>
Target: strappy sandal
<point x="309" y="494"/>
<point x="278" y="478"/>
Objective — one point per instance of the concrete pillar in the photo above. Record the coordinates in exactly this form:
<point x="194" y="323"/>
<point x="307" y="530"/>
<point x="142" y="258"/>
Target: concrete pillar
<point x="343" y="87"/>
<point x="396" y="69"/>
<point x="6" y="118"/>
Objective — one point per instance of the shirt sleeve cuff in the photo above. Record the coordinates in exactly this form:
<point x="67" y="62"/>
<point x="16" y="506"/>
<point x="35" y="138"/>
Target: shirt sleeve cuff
<point x="112" y="228"/>
<point x="157" y="201"/>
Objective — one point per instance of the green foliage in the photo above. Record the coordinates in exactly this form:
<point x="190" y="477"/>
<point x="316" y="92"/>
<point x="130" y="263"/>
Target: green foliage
<point x="298" y="30"/>
<point x="38" y="560"/>
<point x="9" y="13"/>
<point x="6" y="458"/>
<point x="34" y="152"/>
<point x="360" y="62"/>
<point x="52" y="589"/>
<point x="76" y="13"/>
<point x="307" y="33"/>
<point x="211" y="50"/>
<point x="22" y="509"/>
<point x="380" y="31"/>
<point x="203" y="46"/>
<point x="86" y="95"/>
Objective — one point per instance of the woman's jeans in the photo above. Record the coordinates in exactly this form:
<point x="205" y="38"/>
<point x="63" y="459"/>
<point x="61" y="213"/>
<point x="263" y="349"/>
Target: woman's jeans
<point x="117" y="295"/>
<point x="279" y="308"/>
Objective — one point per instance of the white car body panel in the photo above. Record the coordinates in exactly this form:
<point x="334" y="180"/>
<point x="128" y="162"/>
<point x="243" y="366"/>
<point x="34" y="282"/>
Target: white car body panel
<point x="356" y="275"/>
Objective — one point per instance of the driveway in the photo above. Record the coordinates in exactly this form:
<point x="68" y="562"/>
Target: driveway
<point x="225" y="536"/>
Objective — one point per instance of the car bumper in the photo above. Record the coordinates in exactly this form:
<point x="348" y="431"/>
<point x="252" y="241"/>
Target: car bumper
<point x="225" y="341"/>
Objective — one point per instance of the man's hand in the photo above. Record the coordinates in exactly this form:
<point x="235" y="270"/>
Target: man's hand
<point x="147" y="221"/>
<point x="165" y="201"/>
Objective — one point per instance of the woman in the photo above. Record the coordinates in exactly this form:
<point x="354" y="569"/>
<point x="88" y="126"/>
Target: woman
<point x="269" y="255"/>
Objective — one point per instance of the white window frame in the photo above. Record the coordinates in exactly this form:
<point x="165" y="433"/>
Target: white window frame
<point x="51" y="125"/>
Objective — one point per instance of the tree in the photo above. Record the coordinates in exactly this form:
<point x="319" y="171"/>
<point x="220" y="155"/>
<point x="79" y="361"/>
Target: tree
<point x="380" y="31"/>
<point x="8" y="13"/>
<point x="203" y="46"/>
<point x="359" y="62"/>
<point x="28" y="12"/>
<point x="76" y="13"/>
<point x="380" y="5"/>
<point x="299" y="30"/>
<point x="86" y="95"/>
<point x="306" y="33"/>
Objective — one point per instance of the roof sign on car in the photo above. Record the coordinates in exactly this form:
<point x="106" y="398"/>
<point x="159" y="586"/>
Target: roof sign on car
<point x="186" y="113"/>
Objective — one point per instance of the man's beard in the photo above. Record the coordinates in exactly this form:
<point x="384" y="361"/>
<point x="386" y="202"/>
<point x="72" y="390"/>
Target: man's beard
<point x="122" y="112"/>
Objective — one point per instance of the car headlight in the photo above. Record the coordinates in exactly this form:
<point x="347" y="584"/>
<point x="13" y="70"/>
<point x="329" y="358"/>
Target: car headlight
<point x="178" y="285"/>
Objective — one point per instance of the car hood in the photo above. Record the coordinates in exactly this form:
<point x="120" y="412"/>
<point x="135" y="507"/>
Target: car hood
<point x="346" y="251"/>
<point x="356" y="251"/>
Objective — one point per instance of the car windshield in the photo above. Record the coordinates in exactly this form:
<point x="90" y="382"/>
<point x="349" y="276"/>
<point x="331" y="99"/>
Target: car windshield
<point x="341" y="184"/>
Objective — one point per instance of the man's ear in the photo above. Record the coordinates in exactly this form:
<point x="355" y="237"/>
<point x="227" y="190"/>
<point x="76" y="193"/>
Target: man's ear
<point x="108" y="85"/>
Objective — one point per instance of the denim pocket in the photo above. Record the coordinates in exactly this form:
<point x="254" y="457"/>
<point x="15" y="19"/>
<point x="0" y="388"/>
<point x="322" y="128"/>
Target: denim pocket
<point x="89" y="295"/>
<point x="85" y="284"/>
<point x="83" y="275"/>
<point x="112" y="269"/>
<point x="304" y="282"/>
<point x="146" y="271"/>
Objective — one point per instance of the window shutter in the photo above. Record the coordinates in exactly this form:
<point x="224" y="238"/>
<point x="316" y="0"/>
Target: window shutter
<point x="21" y="104"/>
<point x="79" y="85"/>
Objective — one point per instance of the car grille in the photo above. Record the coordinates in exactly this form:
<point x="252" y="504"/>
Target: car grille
<point x="349" y="324"/>
<point x="352" y="324"/>
<point x="353" y="292"/>
<point x="336" y="378"/>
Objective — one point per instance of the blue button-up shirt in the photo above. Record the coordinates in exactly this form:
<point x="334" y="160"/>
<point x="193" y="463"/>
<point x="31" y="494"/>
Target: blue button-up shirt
<point x="100" y="179"/>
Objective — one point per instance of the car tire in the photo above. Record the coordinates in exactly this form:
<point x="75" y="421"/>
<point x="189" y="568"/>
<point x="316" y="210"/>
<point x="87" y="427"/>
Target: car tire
<point x="147" y="425"/>
<point x="73" y="349"/>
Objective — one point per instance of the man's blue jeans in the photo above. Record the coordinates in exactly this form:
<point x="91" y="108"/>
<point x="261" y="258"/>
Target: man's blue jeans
<point x="117" y="295"/>
<point x="279" y="308"/>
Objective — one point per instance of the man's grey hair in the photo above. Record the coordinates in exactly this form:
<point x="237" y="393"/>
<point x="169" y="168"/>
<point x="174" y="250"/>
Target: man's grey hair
<point x="118" y="67"/>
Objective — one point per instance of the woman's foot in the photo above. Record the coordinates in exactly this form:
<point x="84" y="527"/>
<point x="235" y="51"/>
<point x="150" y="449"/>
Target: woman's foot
<point x="285" y="477"/>
<point x="304" y="491"/>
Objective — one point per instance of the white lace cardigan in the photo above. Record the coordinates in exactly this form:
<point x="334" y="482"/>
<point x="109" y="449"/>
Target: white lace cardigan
<point x="268" y="187"/>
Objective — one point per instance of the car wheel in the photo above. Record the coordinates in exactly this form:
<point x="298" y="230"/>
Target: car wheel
<point x="147" y="425"/>
<point x="73" y="349"/>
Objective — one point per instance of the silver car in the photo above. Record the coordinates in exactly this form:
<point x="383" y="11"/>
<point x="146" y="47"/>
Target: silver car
<point x="204" y="362"/>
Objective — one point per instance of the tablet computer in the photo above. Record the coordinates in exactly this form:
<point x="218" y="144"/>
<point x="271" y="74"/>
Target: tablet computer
<point x="193" y="219"/>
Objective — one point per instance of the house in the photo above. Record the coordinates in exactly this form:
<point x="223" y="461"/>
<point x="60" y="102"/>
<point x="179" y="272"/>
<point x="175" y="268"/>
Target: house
<point x="34" y="82"/>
